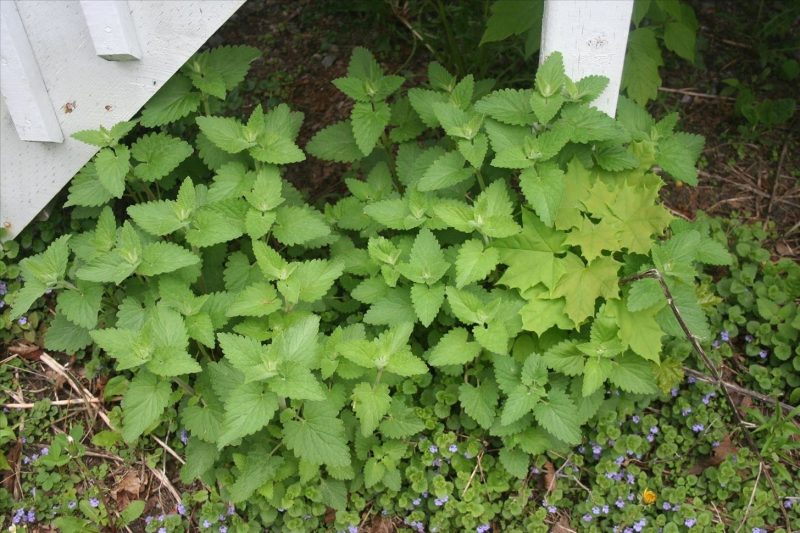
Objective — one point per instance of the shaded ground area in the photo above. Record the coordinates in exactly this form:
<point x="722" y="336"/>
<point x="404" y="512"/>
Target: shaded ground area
<point x="748" y="170"/>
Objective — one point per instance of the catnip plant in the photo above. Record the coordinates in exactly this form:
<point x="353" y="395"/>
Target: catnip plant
<point x="477" y="272"/>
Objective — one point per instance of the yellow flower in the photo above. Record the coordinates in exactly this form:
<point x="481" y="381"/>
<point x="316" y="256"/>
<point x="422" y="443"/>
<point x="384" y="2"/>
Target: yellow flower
<point x="649" y="497"/>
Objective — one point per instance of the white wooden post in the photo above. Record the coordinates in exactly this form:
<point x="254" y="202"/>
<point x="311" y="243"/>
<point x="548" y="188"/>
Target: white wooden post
<point x="592" y="35"/>
<point x="111" y="27"/>
<point x="21" y="81"/>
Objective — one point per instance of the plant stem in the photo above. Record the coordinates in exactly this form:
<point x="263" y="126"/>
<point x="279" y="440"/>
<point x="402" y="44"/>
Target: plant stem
<point x="458" y="59"/>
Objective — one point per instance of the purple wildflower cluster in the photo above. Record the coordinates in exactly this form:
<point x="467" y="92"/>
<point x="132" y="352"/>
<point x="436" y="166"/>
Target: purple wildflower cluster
<point x="483" y="528"/>
<point x="415" y="524"/>
<point x="707" y="398"/>
<point x="438" y="502"/>
<point x="21" y="516"/>
<point x="697" y="428"/>
<point x="690" y="522"/>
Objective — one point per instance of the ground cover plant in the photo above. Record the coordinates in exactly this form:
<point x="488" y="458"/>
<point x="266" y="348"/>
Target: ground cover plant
<point x="390" y="359"/>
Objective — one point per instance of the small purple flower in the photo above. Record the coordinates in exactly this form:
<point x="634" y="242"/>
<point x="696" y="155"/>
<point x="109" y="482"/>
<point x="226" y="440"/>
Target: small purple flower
<point x="231" y="509"/>
<point x="31" y="517"/>
<point x="635" y="419"/>
<point x="762" y="354"/>
<point x="433" y="449"/>
<point x="3" y="288"/>
<point x="748" y="338"/>
<point x="483" y="528"/>
<point x="162" y="530"/>
<point x="759" y="530"/>
<point x="18" y="516"/>
<point x="437" y="462"/>
<point x="223" y="529"/>
<point x="181" y="509"/>
<point x="666" y="506"/>
<point x="691" y="380"/>
<point x="453" y="448"/>
<point x="44" y="451"/>
<point x="587" y="517"/>
<point x="605" y="509"/>
<point x="638" y="526"/>
<point x="415" y="502"/>
<point x="690" y="522"/>
<point x="26" y="460"/>
<point x="610" y="475"/>
<point x="22" y="320"/>
<point x="630" y="496"/>
<point x="715" y="344"/>
<point x="352" y="529"/>
<point x="654" y="430"/>
<point x="595" y="510"/>
<point x="687" y="411"/>
<point x="697" y="428"/>
<point x="535" y="470"/>
<point x="597" y="450"/>
<point x="221" y="518"/>
<point x="439" y="502"/>
<point x="715" y="444"/>
<point x="161" y="517"/>
<point x="725" y="336"/>
<point x="552" y="509"/>
<point x="650" y="438"/>
<point x="620" y="503"/>
<point x="72" y="504"/>
<point x="206" y="524"/>
<point x="787" y="504"/>
<point x="630" y="479"/>
<point x="2" y="304"/>
<point x="94" y="502"/>
<point x="581" y="449"/>
<point x="707" y="397"/>
<point x="674" y="392"/>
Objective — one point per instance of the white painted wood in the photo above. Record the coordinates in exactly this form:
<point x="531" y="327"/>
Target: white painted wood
<point x="112" y="30"/>
<point x="21" y="82"/>
<point x="87" y="91"/>
<point x="592" y="35"/>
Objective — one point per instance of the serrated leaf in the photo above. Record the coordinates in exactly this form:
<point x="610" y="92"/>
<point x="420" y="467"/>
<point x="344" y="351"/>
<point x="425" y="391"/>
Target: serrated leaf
<point x="85" y="191"/>
<point x="226" y="133"/>
<point x="299" y="225"/>
<point x="543" y="189"/>
<point x="516" y="462"/>
<point x="454" y="349"/>
<point x="82" y="304"/>
<point x="510" y="106"/>
<point x="163" y="257"/>
<point x="558" y="415"/>
<point x="335" y="143"/>
<point x="633" y="374"/>
<point x="158" y="154"/>
<point x="479" y="402"/>
<point x="446" y="171"/>
<point x="143" y="404"/>
<point x="474" y="262"/>
<point x="678" y="154"/>
<point x="371" y="403"/>
<point x="112" y="165"/>
<point x="310" y="280"/>
<point x="157" y="218"/>
<point x="401" y="421"/>
<point x="64" y="336"/>
<point x="550" y="75"/>
<point x="582" y="285"/>
<point x="521" y="400"/>
<point x="258" y="299"/>
<point x="248" y="408"/>
<point x="173" y="101"/>
<point x="369" y="120"/>
<point x="296" y="383"/>
<point x="426" y="301"/>
<point x="509" y="18"/>
<point x="640" y="76"/>
<point x="318" y="436"/>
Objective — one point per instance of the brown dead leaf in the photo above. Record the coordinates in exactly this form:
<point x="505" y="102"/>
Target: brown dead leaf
<point x="549" y="477"/>
<point x="725" y="448"/>
<point x="330" y="516"/>
<point x="26" y="350"/>
<point x="13" y="458"/>
<point x="127" y="489"/>
<point x="562" y="526"/>
<point x="381" y="524"/>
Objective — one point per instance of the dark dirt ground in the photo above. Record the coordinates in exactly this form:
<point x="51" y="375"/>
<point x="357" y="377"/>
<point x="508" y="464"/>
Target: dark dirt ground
<point x="307" y="43"/>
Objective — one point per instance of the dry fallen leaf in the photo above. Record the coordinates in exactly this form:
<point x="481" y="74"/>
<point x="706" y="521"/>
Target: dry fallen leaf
<point x="725" y="448"/>
<point x="549" y="477"/>
<point x="562" y="526"/>
<point x="28" y="351"/>
<point x="127" y="489"/>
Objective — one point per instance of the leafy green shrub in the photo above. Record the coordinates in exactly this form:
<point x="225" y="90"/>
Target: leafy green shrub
<point x="475" y="277"/>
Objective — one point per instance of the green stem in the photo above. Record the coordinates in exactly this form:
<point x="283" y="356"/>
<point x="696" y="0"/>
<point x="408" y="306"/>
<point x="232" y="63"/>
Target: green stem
<point x="378" y="377"/>
<point x="458" y="59"/>
<point x="282" y="402"/>
<point x="206" y="105"/>
<point x="387" y="146"/>
<point x="481" y="182"/>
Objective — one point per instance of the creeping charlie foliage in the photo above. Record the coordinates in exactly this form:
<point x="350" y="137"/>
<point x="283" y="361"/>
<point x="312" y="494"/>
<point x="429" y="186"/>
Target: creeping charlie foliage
<point x="486" y="239"/>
